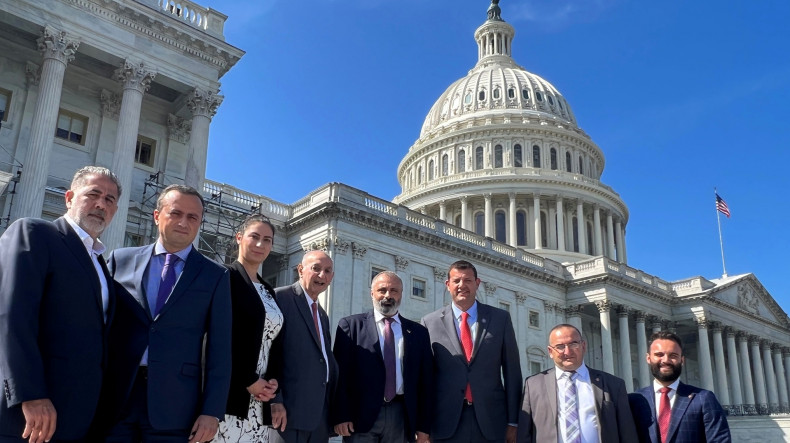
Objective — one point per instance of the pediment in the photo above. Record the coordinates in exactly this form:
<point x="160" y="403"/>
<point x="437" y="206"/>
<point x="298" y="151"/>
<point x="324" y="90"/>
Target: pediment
<point x="749" y="296"/>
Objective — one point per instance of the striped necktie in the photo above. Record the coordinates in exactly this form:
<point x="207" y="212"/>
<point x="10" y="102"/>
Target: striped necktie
<point x="573" y="432"/>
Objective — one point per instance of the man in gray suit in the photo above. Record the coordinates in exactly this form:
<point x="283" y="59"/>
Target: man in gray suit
<point x="476" y="365"/>
<point x="571" y="402"/>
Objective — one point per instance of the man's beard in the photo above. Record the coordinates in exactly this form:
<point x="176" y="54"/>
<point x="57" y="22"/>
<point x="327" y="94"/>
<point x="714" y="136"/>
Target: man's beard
<point x="655" y="369"/>
<point x="387" y="306"/>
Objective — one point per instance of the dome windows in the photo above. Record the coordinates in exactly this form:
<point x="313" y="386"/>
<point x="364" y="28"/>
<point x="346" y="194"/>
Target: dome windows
<point x="479" y="158"/>
<point x="430" y="170"/>
<point x="468" y="98"/>
<point x="553" y="155"/>
<point x="536" y="156"/>
<point x="461" y="161"/>
<point x="568" y="162"/>
<point x="525" y="94"/>
<point x="551" y="101"/>
<point x="581" y="165"/>
<point x="445" y="165"/>
<point x="518" y="157"/>
<point x="496" y="94"/>
<point x="511" y="93"/>
<point x="498" y="163"/>
<point x="539" y="96"/>
<point x="481" y="96"/>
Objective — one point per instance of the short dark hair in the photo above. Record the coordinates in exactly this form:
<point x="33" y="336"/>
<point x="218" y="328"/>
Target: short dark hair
<point x="82" y="175"/>
<point x="255" y="218"/>
<point x="566" y="325"/>
<point x="666" y="335"/>
<point x="182" y="189"/>
<point x="461" y="265"/>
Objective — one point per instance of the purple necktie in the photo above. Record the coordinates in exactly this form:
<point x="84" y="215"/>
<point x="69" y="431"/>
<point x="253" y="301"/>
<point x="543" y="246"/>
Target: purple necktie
<point x="167" y="282"/>
<point x="389" y="360"/>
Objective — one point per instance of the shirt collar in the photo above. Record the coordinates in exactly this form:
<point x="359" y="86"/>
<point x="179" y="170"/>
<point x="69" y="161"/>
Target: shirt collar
<point x="582" y="371"/>
<point x="182" y="254"/>
<point x="472" y="311"/>
<point x="674" y="386"/>
<point x="379" y="316"/>
<point x="95" y="246"/>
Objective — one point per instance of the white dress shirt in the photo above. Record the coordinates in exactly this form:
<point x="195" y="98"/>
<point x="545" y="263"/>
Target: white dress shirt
<point x="95" y="248"/>
<point x="588" y="419"/>
<point x="397" y="334"/>
<point x="320" y="328"/>
<point x="671" y="394"/>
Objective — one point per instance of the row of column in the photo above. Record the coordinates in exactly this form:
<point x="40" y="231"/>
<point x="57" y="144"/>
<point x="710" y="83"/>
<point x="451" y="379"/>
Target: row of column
<point x="609" y="242"/>
<point x="58" y="50"/>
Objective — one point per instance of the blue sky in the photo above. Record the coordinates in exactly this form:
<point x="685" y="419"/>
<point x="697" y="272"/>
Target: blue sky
<point x="680" y="97"/>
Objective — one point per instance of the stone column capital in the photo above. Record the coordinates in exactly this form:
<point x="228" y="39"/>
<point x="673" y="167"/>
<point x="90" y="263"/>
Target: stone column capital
<point x="573" y="311"/>
<point x="754" y="340"/>
<point x="134" y="75"/>
<point x="55" y="44"/>
<point x="640" y="316"/>
<point x="439" y="274"/>
<point x="464" y="198"/>
<point x="204" y="102"/>
<point x="487" y="196"/>
<point x="785" y="351"/>
<point x="358" y="250"/>
<point x="401" y="263"/>
<point x="548" y="306"/>
<point x="622" y="311"/>
<point x="716" y="327"/>
<point x="521" y="297"/>
<point x="765" y="345"/>
<point x="603" y="306"/>
<point x="511" y="195"/>
<point x="702" y="322"/>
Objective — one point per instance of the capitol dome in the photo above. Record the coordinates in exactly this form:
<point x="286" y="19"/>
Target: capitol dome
<point x="500" y="154"/>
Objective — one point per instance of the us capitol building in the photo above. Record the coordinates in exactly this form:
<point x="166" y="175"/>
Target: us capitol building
<point x="501" y="175"/>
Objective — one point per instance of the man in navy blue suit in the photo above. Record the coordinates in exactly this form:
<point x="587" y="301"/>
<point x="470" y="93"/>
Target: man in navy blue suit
<point x="671" y="411"/>
<point x="170" y="346"/>
<point x="386" y="371"/>
<point x="56" y="300"/>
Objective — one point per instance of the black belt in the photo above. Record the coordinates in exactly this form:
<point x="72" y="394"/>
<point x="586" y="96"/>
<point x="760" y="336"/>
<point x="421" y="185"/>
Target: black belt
<point x="396" y="399"/>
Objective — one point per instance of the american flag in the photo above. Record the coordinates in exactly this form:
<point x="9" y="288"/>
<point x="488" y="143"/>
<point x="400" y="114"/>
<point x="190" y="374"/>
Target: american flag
<point x="721" y="206"/>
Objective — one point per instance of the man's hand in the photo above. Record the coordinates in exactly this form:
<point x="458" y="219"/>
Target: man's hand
<point x="40" y="420"/>
<point x="263" y="390"/>
<point x="510" y="434"/>
<point x="422" y="437"/>
<point x="205" y="429"/>
<point x="279" y="416"/>
<point x="344" y="429"/>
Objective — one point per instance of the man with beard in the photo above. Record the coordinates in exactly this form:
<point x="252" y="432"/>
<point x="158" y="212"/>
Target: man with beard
<point x="671" y="411"/>
<point x="386" y="370"/>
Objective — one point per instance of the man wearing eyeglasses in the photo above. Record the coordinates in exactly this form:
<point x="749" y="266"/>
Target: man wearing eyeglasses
<point x="571" y="402"/>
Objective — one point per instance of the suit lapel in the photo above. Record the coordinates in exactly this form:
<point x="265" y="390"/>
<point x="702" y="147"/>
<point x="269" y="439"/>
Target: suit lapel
<point x="650" y="395"/>
<point x="307" y="315"/>
<point x="141" y="260"/>
<point x="683" y="399"/>
<point x="596" y="380"/>
<point x="80" y="253"/>
<point x="110" y="290"/>
<point x="550" y="383"/>
<point x="449" y="326"/>
<point x="192" y="268"/>
<point x="483" y="320"/>
<point x="371" y="330"/>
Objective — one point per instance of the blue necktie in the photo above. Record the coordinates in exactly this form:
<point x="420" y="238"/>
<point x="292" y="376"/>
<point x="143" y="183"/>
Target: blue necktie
<point x="167" y="282"/>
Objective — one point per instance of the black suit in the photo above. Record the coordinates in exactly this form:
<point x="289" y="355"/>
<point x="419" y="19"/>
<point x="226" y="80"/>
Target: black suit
<point x="362" y="374"/>
<point x="52" y="326"/>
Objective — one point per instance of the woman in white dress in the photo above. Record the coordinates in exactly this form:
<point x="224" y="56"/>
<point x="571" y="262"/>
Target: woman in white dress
<point x="256" y="321"/>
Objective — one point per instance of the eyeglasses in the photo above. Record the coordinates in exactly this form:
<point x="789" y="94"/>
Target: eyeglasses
<point x="573" y="346"/>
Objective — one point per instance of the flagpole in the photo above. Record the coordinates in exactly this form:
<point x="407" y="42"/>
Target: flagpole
<point x="721" y="242"/>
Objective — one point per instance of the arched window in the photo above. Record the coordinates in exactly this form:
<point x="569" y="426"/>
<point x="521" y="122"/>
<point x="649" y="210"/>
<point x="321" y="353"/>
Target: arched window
<point x="445" y="165"/>
<point x="539" y="96"/>
<point x="511" y="93"/>
<point x="518" y="157"/>
<point x="568" y="162"/>
<point x="480" y="224"/>
<point x="461" y="161"/>
<point x="498" y="163"/>
<point x="430" y="170"/>
<point x="496" y="93"/>
<point x="550" y="100"/>
<point x="479" y="157"/>
<point x="581" y="165"/>
<point x="499" y="222"/>
<point x="575" y="234"/>
<point x="468" y="98"/>
<point x="536" y="156"/>
<point x="544" y="230"/>
<point x="553" y="158"/>
<point x="525" y="94"/>
<point x="481" y="96"/>
<point x="419" y="175"/>
<point x="521" y="228"/>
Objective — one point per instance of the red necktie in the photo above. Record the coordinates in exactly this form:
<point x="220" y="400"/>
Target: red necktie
<point x="664" y="413"/>
<point x="314" y="308"/>
<point x="466" y="342"/>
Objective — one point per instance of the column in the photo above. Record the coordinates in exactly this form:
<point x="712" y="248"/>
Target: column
<point x="538" y="230"/>
<point x="641" y="349"/>
<point x="759" y="376"/>
<point x="560" y="225"/>
<point x="722" y="388"/>
<point x="512" y="225"/>
<point x="489" y="216"/>
<point x="573" y="316"/>
<point x="625" y="348"/>
<point x="203" y="104"/>
<point x="464" y="213"/>
<point x="656" y="324"/>
<point x="581" y="226"/>
<point x="749" y="406"/>
<point x="625" y="250"/>
<point x="606" y="335"/>
<point x="780" y="378"/>
<point x="618" y="231"/>
<point x="786" y="355"/>
<point x="610" y="252"/>
<point x="442" y="211"/>
<point x="597" y="231"/>
<point x="770" y="377"/>
<point x="136" y="79"/>
<point x="736" y="403"/>
<point x="58" y="50"/>
<point x="705" y="366"/>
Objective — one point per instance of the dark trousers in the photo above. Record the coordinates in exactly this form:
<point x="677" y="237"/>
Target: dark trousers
<point x="388" y="427"/>
<point x="468" y="431"/>
<point x="134" y="425"/>
<point x="318" y="435"/>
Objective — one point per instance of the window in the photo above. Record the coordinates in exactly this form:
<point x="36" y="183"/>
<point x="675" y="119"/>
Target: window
<point x="480" y="224"/>
<point x="525" y="94"/>
<point x="418" y="288"/>
<point x="5" y="103"/>
<point x="568" y="163"/>
<point x="481" y="95"/>
<point x="374" y="271"/>
<point x="430" y="170"/>
<point x="144" y="151"/>
<point x="581" y="165"/>
<point x="553" y="158"/>
<point x="511" y="93"/>
<point x="499" y="222"/>
<point x="518" y="158"/>
<point x="536" y="156"/>
<point x="468" y="98"/>
<point x="539" y="96"/>
<point x="458" y="220"/>
<point x="521" y="228"/>
<point x="534" y="319"/>
<point x="559" y="102"/>
<point x="419" y="175"/>
<point x="535" y="367"/>
<point x="498" y="156"/>
<point x="71" y="127"/>
<point x="445" y="165"/>
<point x="479" y="157"/>
<point x="551" y="101"/>
<point x="461" y="161"/>
<point x="496" y="93"/>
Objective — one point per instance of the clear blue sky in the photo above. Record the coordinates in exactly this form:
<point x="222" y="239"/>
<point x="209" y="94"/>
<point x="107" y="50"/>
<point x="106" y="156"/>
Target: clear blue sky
<point x="680" y="97"/>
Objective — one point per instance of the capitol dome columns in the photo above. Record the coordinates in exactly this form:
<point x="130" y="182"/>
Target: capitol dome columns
<point x="561" y="224"/>
<point x="536" y="220"/>
<point x="597" y="230"/>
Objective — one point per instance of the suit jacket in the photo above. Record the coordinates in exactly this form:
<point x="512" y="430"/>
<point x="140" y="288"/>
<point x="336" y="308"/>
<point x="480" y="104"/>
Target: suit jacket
<point x="494" y="359"/>
<point x="360" y="388"/>
<point x="297" y="363"/>
<point x="696" y="416"/>
<point x="538" y="417"/>
<point x="249" y="316"/>
<point x="52" y="325"/>
<point x="186" y="377"/>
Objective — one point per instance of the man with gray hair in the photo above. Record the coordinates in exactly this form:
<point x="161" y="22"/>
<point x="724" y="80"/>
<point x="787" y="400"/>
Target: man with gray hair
<point x="56" y="303"/>
<point x="386" y="371"/>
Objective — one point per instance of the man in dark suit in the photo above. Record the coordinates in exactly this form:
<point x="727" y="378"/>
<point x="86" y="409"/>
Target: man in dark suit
<point x="56" y="299"/>
<point x="170" y="348"/>
<point x="571" y="402"/>
<point x="386" y="371"/>
<point x="301" y="357"/>
<point x="474" y="352"/>
<point x="673" y="411"/>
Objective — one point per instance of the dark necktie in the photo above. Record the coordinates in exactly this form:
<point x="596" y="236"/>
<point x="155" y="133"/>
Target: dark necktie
<point x="664" y="413"/>
<point x="314" y="308"/>
<point x="167" y="282"/>
<point x="389" y="360"/>
<point x="466" y="342"/>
